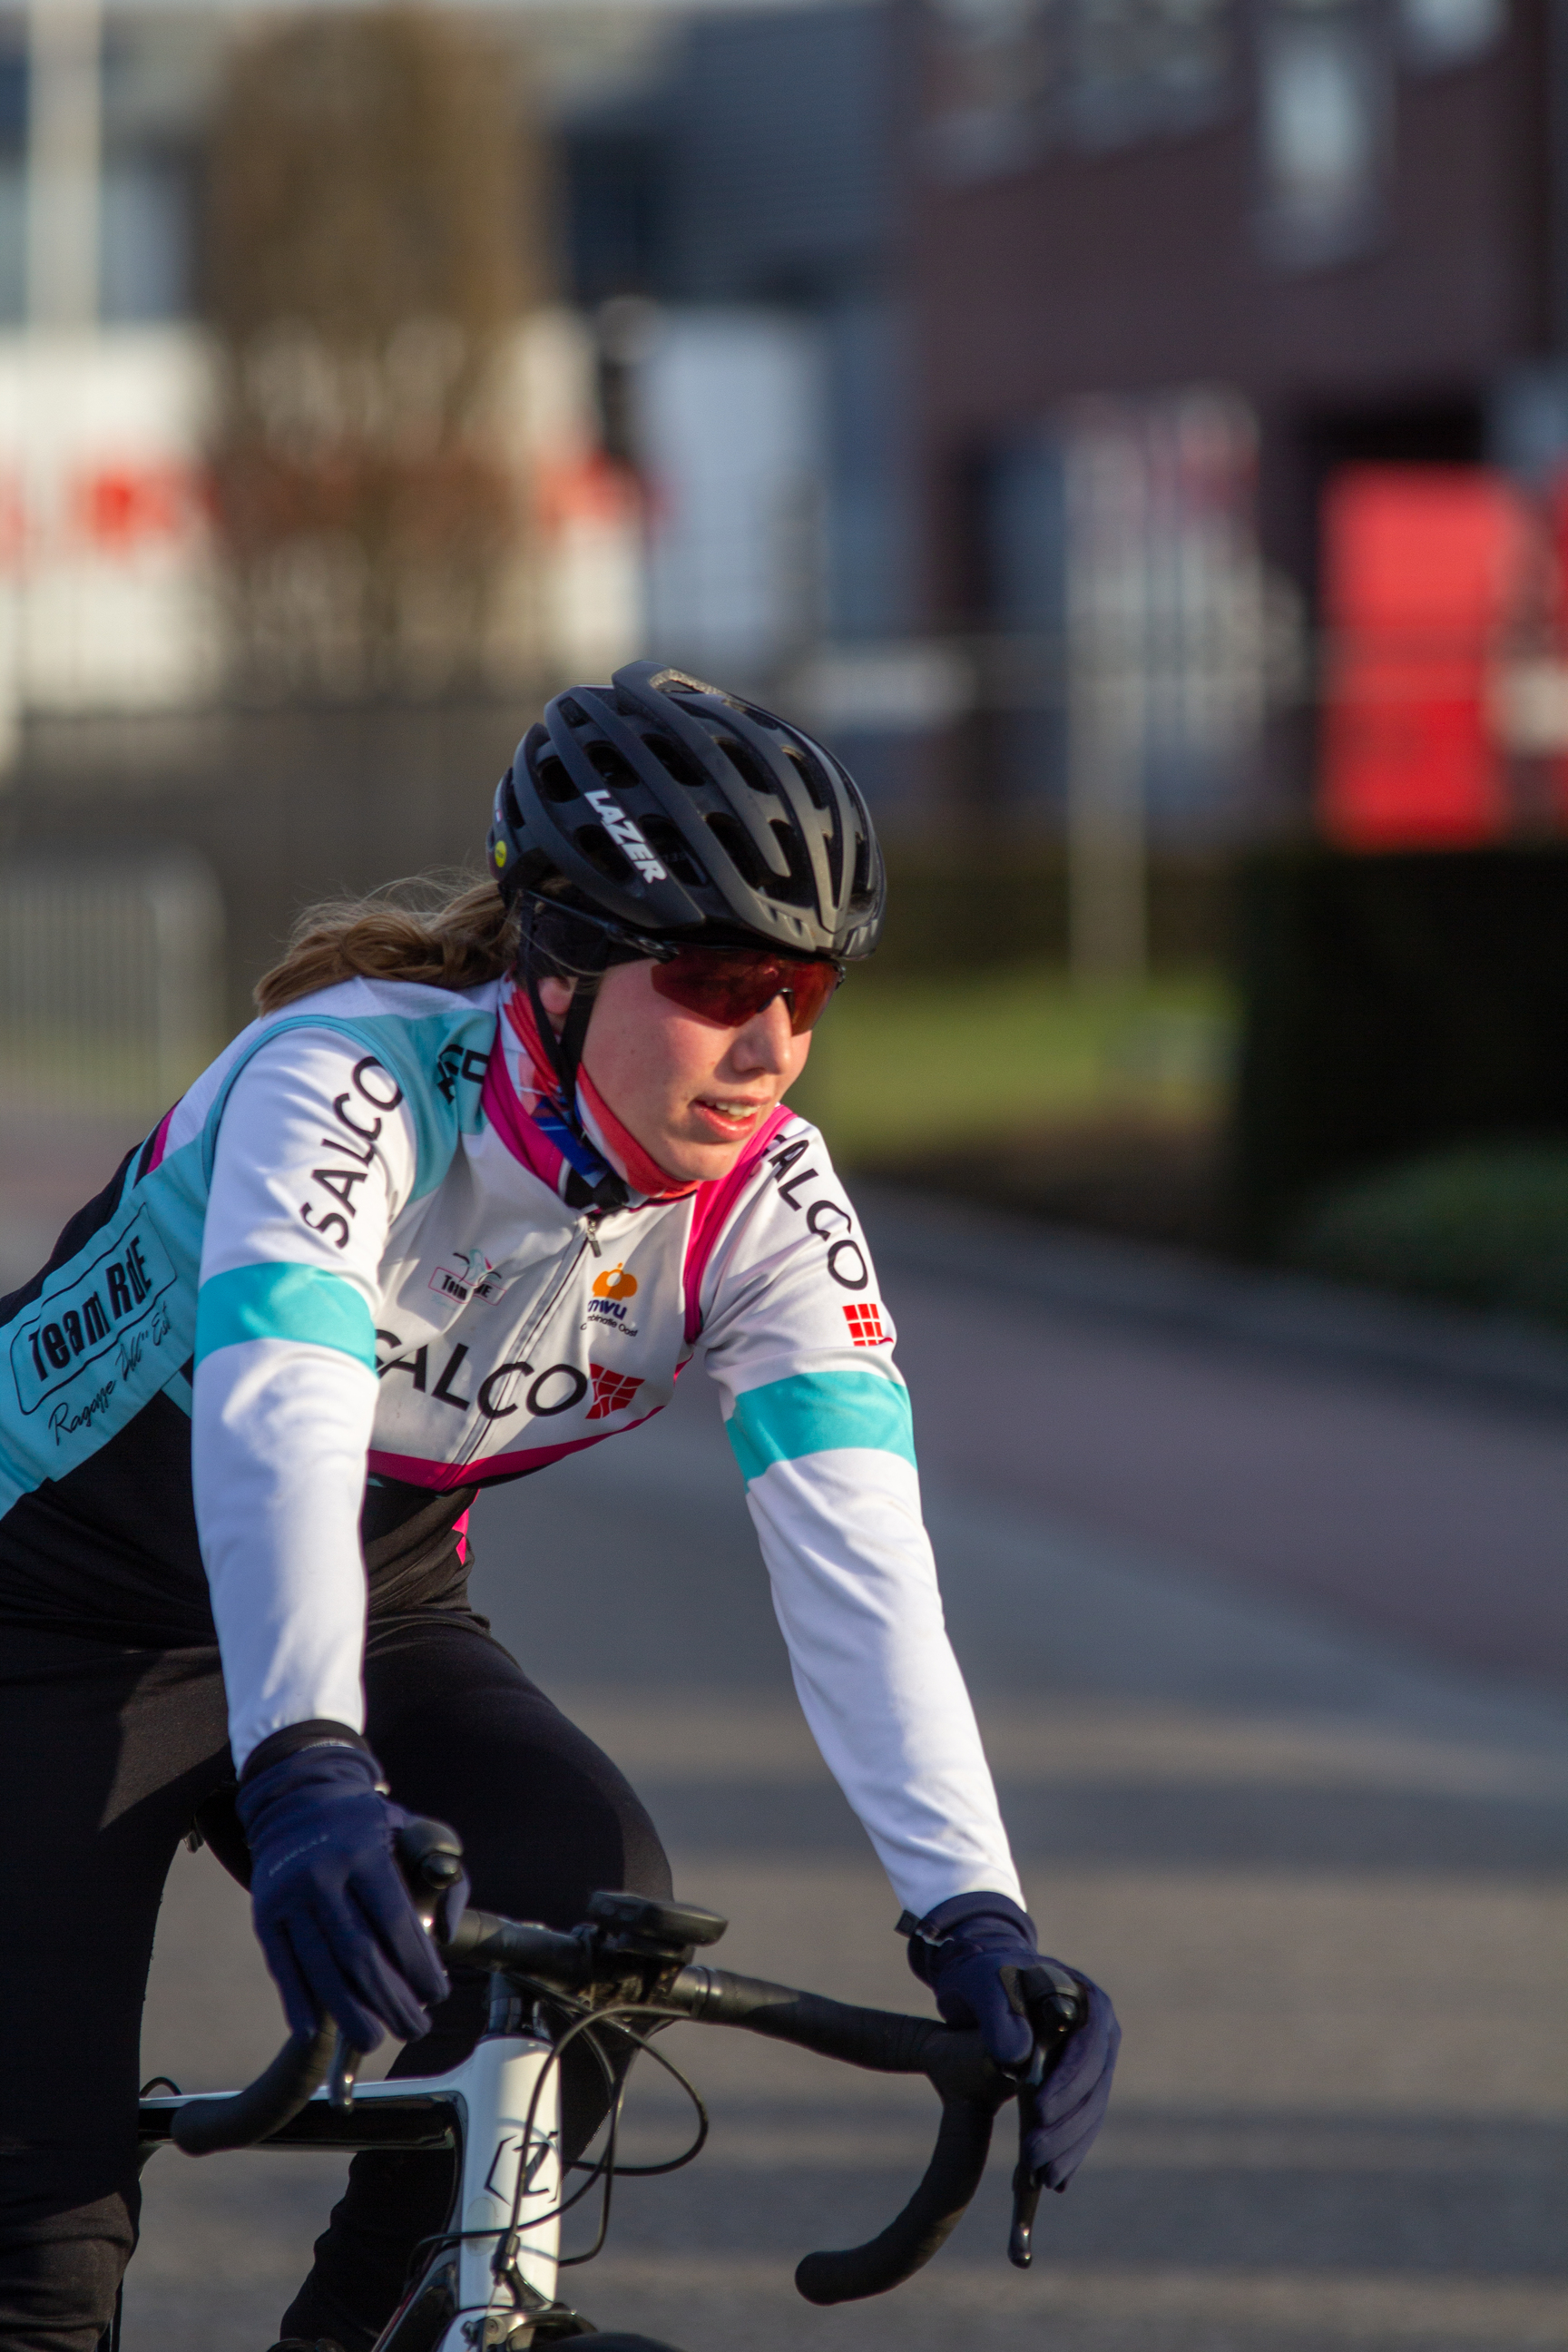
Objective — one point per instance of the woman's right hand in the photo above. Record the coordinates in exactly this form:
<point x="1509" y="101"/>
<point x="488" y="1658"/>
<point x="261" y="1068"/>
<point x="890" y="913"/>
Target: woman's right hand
<point x="333" y="1914"/>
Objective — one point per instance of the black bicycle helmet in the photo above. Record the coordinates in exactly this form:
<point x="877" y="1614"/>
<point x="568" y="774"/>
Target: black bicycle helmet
<point x="670" y="809"/>
<point x="657" y="813"/>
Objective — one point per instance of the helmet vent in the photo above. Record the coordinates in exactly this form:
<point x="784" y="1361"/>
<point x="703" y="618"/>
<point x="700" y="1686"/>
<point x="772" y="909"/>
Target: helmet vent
<point x="798" y="891"/>
<point x="614" y="768"/>
<point x="665" y="843"/>
<point x="860" y="888"/>
<point x="739" y="847"/>
<point x="742" y="757"/>
<point x="595" y="844"/>
<point x="811" y="775"/>
<point x="835" y="846"/>
<point x="675" y="762"/>
<point x="573" y="712"/>
<point x="554" y="781"/>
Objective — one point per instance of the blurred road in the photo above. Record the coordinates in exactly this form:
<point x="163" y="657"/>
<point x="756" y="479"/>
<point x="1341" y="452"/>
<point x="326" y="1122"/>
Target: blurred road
<point x="1213" y="1612"/>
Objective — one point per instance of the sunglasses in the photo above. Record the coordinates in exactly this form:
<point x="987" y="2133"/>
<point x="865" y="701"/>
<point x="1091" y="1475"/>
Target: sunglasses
<point x="732" y="985"/>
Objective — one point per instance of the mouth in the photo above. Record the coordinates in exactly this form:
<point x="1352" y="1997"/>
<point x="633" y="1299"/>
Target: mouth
<point x="726" y="1117"/>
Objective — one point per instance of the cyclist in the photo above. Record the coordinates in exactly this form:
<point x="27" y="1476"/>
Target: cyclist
<point x="465" y="1198"/>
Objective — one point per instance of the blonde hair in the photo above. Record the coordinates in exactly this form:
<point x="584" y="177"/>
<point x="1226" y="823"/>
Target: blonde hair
<point x="449" y="932"/>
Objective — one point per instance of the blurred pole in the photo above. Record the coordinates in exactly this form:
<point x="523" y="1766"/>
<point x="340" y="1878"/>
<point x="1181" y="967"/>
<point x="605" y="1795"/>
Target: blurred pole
<point x="1556" y="110"/>
<point x="64" y="163"/>
<point x="64" y="140"/>
<point x="1106" y="694"/>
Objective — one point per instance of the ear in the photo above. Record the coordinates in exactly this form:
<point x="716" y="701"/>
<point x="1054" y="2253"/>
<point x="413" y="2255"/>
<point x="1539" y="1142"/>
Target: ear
<point x="555" y="994"/>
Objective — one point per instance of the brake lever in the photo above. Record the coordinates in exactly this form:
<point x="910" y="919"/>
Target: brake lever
<point x="430" y="1856"/>
<point x="1051" y="1992"/>
<point x="346" y="2066"/>
<point x="1025" y="2198"/>
<point x="1026" y="2188"/>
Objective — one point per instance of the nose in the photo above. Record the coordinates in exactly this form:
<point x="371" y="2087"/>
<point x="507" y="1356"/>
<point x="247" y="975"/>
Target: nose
<point x="763" y="1042"/>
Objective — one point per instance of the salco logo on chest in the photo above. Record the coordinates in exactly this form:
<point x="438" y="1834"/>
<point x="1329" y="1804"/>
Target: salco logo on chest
<point x="447" y="1376"/>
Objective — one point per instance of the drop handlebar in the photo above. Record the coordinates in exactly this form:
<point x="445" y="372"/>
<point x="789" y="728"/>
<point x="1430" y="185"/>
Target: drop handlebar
<point x="970" y="2087"/>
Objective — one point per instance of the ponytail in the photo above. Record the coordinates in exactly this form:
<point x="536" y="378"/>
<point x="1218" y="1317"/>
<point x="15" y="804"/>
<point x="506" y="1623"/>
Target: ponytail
<point x="452" y="934"/>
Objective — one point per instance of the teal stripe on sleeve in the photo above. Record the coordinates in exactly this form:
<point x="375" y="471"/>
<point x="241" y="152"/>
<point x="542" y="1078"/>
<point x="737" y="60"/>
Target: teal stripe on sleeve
<point x="284" y="1302"/>
<point x="814" y="1413"/>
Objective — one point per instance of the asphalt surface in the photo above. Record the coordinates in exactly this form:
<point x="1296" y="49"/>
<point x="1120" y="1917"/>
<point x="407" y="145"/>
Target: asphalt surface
<point x="1259" y="1658"/>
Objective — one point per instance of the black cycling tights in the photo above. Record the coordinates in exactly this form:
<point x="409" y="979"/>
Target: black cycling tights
<point x="105" y="1754"/>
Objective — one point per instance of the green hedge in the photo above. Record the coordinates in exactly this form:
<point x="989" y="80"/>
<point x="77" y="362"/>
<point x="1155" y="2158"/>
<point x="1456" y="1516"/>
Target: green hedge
<point x="1394" y="1006"/>
<point x="1484" y="1225"/>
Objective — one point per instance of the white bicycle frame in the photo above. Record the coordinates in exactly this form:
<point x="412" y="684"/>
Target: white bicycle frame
<point x="489" y="2099"/>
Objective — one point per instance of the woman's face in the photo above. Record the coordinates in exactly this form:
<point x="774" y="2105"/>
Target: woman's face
<point x="691" y="1092"/>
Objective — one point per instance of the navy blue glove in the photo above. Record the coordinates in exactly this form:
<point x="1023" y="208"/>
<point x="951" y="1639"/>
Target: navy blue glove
<point x="333" y="1914"/>
<point x="977" y="1954"/>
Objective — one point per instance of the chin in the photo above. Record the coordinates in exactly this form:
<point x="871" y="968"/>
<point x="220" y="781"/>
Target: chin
<point x="691" y="1163"/>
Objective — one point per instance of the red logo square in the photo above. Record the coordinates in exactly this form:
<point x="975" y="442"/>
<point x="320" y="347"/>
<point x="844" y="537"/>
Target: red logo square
<point x="612" y="1392"/>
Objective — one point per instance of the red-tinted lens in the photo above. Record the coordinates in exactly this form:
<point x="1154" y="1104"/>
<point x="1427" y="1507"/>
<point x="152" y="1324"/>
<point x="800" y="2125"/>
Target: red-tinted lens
<point x="732" y="985"/>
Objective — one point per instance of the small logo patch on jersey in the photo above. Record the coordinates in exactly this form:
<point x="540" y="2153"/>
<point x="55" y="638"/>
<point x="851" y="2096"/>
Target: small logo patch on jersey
<point x="865" y="1327"/>
<point x="608" y="1315"/>
<point x="477" y="1280"/>
<point x="615" y="1283"/>
<point x="613" y="1391"/>
<point x="626" y="834"/>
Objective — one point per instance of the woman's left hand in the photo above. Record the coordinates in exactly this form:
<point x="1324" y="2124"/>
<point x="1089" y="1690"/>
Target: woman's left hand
<point x="977" y="1953"/>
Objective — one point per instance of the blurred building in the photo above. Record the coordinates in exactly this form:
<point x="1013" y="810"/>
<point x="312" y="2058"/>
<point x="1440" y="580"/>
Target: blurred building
<point x="114" y="595"/>
<point x="733" y="217"/>
<point x="1178" y="271"/>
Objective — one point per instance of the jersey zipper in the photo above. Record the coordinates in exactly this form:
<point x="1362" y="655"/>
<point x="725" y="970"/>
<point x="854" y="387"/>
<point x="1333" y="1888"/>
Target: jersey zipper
<point x="587" y="1239"/>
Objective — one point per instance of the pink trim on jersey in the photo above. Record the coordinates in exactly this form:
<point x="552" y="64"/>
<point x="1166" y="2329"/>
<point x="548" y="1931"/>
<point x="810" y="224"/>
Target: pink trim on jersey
<point x="523" y="1138"/>
<point x="714" y="1203"/>
<point x="460" y="1529"/>
<point x="414" y="1471"/>
<point x="161" y="1137"/>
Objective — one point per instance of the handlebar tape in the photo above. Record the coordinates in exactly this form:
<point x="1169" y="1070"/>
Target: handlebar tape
<point x="971" y="2089"/>
<point x="909" y="2242"/>
<point x="204" y="2127"/>
<point x="878" y="2039"/>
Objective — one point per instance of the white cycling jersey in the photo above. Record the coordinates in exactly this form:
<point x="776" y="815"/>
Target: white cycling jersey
<point x="348" y="1253"/>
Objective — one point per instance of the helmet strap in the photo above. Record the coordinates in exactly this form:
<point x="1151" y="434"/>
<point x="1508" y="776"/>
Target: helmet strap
<point x="565" y="1051"/>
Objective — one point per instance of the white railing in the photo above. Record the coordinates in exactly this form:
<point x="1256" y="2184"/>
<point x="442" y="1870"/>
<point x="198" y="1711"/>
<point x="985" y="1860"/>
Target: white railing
<point x="111" y="980"/>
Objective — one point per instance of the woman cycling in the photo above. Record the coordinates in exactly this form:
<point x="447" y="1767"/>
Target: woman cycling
<point x="464" y="1199"/>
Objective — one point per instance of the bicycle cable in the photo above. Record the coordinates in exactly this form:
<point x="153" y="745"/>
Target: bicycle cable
<point x="604" y="2167"/>
<point x="611" y="2172"/>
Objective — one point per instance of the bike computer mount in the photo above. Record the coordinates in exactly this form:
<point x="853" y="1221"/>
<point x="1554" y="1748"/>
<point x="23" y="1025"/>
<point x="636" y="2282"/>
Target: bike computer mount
<point x="645" y="1929"/>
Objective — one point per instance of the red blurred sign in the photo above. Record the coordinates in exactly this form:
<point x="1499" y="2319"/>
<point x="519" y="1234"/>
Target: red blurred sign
<point x="1423" y="568"/>
<point x="585" y="488"/>
<point x="121" y="507"/>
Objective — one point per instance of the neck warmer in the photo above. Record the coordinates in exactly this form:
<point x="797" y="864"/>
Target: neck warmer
<point x="540" y="1090"/>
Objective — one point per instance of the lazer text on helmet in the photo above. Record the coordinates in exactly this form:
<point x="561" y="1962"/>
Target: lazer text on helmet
<point x="627" y="836"/>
